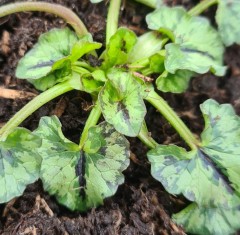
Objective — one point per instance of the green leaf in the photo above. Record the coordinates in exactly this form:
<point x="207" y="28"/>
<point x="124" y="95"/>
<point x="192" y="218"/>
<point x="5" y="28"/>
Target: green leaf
<point x="81" y="179"/>
<point x="210" y="174"/>
<point x="122" y="103"/>
<point x="156" y="63"/>
<point x="198" y="50"/>
<point x="99" y="75"/>
<point x="52" y="46"/>
<point x="19" y="163"/>
<point x="82" y="47"/>
<point x="50" y="60"/>
<point x="228" y="17"/>
<point x="120" y="45"/>
<point x="147" y="45"/>
<point x="53" y="78"/>
<point x="208" y="221"/>
<point x="175" y="83"/>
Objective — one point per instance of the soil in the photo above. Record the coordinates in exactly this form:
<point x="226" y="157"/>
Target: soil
<point x="141" y="205"/>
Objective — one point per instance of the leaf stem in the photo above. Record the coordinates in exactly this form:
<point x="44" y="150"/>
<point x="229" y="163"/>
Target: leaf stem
<point x="32" y="106"/>
<point x="150" y="3"/>
<point x="112" y="18"/>
<point x="162" y="106"/>
<point x="202" y="6"/>
<point x="146" y="138"/>
<point x="69" y="16"/>
<point x="91" y="121"/>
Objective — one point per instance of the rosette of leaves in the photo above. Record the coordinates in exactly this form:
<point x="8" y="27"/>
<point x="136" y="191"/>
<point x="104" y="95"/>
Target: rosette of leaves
<point x="52" y="59"/>
<point x="194" y="47"/>
<point x="19" y="163"/>
<point x="208" y="176"/>
<point x="81" y="178"/>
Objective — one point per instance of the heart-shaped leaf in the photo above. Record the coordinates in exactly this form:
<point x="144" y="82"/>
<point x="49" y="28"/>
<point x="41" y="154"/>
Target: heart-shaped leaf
<point x="210" y="174"/>
<point x="228" y="17"/>
<point x="198" y="50"/>
<point x="122" y="103"/>
<point x="81" y="178"/>
<point x="51" y="47"/>
<point x="50" y="60"/>
<point x="19" y="163"/>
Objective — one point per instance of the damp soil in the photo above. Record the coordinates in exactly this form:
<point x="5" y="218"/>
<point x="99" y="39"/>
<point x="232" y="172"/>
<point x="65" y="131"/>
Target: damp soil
<point x="141" y="205"/>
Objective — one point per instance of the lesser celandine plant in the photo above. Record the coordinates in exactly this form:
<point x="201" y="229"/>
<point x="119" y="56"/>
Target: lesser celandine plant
<point x="178" y="45"/>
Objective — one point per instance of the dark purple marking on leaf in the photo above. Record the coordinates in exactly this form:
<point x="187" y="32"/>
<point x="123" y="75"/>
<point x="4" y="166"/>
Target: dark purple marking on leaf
<point x="209" y="162"/>
<point x="80" y="172"/>
<point x="43" y="64"/>
<point x="122" y="108"/>
<point x="102" y="151"/>
<point x="123" y="46"/>
<point x="204" y="53"/>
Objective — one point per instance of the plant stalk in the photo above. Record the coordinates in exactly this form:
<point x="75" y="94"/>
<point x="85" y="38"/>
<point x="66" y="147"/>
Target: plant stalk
<point x="112" y="19"/>
<point x="69" y="16"/>
<point x="91" y="121"/>
<point x="146" y="138"/>
<point x="32" y="106"/>
<point x="161" y="105"/>
<point x="150" y="3"/>
<point x="201" y="7"/>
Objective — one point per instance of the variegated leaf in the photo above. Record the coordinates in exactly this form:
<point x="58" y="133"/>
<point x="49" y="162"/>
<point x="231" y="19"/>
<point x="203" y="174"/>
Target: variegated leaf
<point x="122" y="103"/>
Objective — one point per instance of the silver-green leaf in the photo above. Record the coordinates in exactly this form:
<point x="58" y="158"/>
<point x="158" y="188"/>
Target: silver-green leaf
<point x="198" y="50"/>
<point x="208" y="221"/>
<point x="122" y="103"/>
<point x="52" y="46"/>
<point x="19" y="163"/>
<point x="228" y="17"/>
<point x="81" y="178"/>
<point x="208" y="175"/>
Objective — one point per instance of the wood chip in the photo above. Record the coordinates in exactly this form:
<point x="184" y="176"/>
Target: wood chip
<point x="5" y="42"/>
<point x="15" y="94"/>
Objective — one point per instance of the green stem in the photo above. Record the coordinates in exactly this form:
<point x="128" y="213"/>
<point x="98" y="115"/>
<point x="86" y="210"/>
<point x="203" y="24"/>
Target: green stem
<point x="146" y="138"/>
<point x="202" y="6"/>
<point x="161" y="105"/>
<point x="91" y="121"/>
<point x="150" y="3"/>
<point x="69" y="16"/>
<point x="32" y="106"/>
<point x="112" y="19"/>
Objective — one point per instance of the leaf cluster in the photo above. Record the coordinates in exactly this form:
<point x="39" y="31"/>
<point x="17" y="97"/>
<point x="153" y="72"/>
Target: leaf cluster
<point x="176" y="47"/>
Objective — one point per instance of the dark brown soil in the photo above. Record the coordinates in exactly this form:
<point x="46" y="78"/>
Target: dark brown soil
<point x="140" y="206"/>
